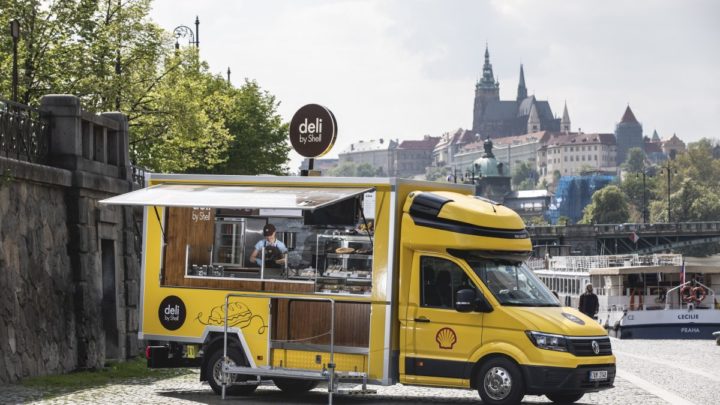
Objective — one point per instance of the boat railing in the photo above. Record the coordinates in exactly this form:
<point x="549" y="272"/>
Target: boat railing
<point x="710" y="295"/>
<point x="585" y="263"/>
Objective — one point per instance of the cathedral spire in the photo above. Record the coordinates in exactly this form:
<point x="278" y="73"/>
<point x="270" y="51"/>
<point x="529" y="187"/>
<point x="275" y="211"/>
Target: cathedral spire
<point x="565" y="122"/>
<point x="522" y="90"/>
<point x="488" y="78"/>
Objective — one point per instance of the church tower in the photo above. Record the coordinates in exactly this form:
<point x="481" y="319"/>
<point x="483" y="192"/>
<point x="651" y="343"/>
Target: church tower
<point x="533" y="124"/>
<point x="628" y="134"/>
<point x="522" y="90"/>
<point x="565" y="122"/>
<point x="486" y="91"/>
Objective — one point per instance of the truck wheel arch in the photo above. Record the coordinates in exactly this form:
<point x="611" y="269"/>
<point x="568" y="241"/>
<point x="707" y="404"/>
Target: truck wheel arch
<point x="214" y="342"/>
<point x="495" y="349"/>
<point x="478" y="365"/>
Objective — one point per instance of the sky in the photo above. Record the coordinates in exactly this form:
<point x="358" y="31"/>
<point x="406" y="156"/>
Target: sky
<point x="401" y="69"/>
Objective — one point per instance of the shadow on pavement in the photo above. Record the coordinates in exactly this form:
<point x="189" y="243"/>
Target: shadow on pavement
<point x="320" y="397"/>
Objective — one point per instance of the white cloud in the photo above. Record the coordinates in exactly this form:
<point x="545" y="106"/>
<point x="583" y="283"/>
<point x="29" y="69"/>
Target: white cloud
<point x="401" y="68"/>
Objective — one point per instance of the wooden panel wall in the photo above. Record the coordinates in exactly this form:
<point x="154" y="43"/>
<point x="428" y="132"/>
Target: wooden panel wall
<point x="297" y="321"/>
<point x="182" y="230"/>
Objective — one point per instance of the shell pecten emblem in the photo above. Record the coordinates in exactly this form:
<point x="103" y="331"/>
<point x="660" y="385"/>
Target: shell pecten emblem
<point x="446" y="338"/>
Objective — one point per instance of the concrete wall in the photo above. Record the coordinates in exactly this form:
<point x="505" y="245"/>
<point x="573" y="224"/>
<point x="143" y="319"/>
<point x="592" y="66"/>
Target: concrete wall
<point x="69" y="267"/>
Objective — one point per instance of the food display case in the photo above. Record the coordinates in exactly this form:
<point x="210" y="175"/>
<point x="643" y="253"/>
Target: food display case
<point x="344" y="264"/>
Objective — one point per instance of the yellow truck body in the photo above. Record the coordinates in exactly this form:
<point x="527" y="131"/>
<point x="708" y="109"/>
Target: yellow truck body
<point x="399" y="319"/>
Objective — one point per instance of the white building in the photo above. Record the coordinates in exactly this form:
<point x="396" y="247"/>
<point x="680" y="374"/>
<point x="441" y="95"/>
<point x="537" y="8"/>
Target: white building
<point x="379" y="154"/>
<point x="575" y="152"/>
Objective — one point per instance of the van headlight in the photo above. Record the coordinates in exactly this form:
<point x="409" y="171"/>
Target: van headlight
<point x="547" y="341"/>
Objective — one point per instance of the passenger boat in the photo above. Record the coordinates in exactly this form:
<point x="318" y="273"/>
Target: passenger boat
<point x="661" y="296"/>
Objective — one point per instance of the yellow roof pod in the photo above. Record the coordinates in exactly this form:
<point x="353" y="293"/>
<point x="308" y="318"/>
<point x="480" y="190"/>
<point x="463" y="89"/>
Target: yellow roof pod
<point x="448" y="220"/>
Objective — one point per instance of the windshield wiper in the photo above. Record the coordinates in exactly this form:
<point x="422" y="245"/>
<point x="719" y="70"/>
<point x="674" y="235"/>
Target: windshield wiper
<point x="529" y="304"/>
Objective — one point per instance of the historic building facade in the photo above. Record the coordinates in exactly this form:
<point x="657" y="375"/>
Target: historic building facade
<point x="572" y="153"/>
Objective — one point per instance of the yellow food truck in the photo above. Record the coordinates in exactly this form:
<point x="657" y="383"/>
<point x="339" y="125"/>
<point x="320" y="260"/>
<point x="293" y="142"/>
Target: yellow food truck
<point x="304" y="280"/>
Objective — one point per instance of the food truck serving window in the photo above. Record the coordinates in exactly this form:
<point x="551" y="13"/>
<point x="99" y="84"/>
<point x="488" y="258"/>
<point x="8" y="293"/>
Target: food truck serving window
<point x="301" y="239"/>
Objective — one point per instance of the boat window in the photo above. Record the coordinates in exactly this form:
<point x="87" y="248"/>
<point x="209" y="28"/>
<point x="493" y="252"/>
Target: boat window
<point x="513" y="283"/>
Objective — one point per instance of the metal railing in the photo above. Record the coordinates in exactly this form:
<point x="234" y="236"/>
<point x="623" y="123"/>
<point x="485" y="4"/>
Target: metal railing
<point x="585" y="263"/>
<point x="24" y="132"/>
<point x="709" y="291"/>
<point x="329" y="376"/>
<point x="138" y="175"/>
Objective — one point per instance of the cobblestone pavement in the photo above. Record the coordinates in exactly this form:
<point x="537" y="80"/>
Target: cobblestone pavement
<point x="649" y="372"/>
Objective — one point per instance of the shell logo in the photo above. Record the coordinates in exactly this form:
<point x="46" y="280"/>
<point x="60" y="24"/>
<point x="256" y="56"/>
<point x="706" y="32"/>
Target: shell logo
<point x="446" y="338"/>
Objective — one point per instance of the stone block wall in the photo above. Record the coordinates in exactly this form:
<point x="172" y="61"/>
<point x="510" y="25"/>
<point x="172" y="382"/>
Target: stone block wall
<point x="36" y="304"/>
<point x="69" y="269"/>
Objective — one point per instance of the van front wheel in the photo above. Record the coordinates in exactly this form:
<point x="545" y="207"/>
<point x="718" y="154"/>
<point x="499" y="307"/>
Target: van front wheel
<point x="500" y="382"/>
<point x="565" y="398"/>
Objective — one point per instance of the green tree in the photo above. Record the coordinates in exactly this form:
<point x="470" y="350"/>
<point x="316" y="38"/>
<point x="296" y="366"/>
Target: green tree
<point x="345" y="169"/>
<point x="609" y="206"/>
<point x="556" y="177"/>
<point x="635" y="162"/>
<point x="367" y="170"/>
<point x="563" y="221"/>
<point x="259" y="137"/>
<point x="433" y="173"/>
<point x="524" y="176"/>
<point x="111" y="55"/>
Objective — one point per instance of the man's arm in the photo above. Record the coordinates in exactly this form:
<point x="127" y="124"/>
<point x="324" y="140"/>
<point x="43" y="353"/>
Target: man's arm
<point x="253" y="256"/>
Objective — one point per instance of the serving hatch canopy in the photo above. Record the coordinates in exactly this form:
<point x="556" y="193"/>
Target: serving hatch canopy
<point x="216" y="196"/>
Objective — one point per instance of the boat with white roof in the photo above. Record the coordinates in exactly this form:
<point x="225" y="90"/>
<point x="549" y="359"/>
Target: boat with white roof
<point x="660" y="296"/>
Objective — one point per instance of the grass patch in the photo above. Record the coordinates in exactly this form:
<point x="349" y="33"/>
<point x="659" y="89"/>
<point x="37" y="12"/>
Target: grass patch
<point x="135" y="369"/>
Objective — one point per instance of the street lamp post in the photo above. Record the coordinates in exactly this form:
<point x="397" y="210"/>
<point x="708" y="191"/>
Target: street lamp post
<point x="645" y="174"/>
<point x="15" y="34"/>
<point x="183" y="31"/>
<point x="669" y="171"/>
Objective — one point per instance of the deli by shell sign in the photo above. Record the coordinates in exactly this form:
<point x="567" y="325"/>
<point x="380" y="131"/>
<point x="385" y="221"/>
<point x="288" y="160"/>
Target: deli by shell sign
<point x="313" y="130"/>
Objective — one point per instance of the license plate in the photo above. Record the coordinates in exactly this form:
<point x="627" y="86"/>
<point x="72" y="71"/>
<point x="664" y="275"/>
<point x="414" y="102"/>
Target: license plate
<point x="598" y="375"/>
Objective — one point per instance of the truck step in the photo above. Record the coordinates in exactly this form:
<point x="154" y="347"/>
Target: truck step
<point x="274" y="372"/>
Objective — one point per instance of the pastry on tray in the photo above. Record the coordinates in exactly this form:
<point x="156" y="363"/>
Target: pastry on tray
<point x="344" y="250"/>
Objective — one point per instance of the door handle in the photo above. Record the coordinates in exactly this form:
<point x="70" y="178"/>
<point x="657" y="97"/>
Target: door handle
<point x="422" y="319"/>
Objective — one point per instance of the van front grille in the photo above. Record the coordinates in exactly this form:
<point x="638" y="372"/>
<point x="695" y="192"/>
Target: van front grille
<point x="584" y="346"/>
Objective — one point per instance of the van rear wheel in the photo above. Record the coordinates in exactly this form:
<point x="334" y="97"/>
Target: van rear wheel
<point x="213" y="371"/>
<point x="565" y="398"/>
<point x="294" y="386"/>
<point x="500" y="382"/>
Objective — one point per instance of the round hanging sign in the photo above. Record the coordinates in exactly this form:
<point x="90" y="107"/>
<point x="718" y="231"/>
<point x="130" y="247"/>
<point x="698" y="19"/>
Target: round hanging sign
<point x="313" y="130"/>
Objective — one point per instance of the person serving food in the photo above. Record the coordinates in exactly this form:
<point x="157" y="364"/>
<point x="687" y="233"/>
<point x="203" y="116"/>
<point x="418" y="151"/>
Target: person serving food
<point x="274" y="249"/>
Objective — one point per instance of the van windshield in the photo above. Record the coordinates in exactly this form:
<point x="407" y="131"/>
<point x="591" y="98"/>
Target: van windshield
<point x="513" y="283"/>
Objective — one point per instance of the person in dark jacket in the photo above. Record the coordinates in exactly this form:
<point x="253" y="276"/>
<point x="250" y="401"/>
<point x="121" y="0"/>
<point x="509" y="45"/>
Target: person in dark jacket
<point x="589" y="302"/>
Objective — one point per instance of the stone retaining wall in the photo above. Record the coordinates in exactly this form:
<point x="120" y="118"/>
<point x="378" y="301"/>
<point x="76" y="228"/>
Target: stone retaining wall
<point x="69" y="267"/>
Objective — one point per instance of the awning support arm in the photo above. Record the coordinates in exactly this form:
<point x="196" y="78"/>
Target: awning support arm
<point x="161" y="225"/>
<point x="362" y="214"/>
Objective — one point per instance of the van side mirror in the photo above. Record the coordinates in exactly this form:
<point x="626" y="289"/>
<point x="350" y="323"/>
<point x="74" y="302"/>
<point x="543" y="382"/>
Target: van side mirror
<point x="467" y="300"/>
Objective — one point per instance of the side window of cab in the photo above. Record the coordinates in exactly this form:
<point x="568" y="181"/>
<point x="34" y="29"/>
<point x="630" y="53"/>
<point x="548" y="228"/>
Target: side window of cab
<point x="440" y="279"/>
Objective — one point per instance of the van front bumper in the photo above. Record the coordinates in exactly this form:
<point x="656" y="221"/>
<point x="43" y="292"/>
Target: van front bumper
<point x="541" y="380"/>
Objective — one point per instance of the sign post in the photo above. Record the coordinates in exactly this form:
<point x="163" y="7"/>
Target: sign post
<point x="313" y="130"/>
